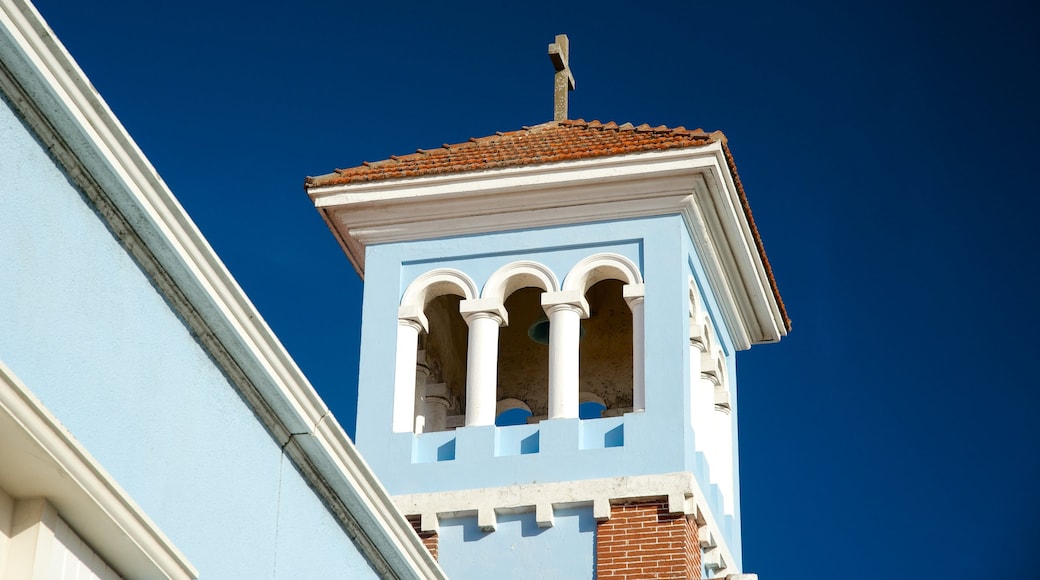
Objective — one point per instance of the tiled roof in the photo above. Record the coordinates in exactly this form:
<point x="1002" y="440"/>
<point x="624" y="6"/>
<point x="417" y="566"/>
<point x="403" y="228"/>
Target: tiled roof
<point x="550" y="142"/>
<point x="546" y="143"/>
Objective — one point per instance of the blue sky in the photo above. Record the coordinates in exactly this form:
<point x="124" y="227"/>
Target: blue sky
<point x="887" y="149"/>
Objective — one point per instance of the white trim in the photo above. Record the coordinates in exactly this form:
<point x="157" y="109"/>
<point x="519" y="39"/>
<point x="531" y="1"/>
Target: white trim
<point x="44" y="546"/>
<point x="42" y="459"/>
<point x="565" y="310"/>
<point x="438" y="282"/>
<point x="405" y="375"/>
<point x="635" y="295"/>
<point x="598" y="267"/>
<point x="69" y="117"/>
<point x="692" y="182"/>
<point x="516" y="275"/>
<point x="681" y="488"/>
<point x="484" y="317"/>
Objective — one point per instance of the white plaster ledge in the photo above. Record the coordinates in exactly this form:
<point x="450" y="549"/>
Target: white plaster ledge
<point x="683" y="493"/>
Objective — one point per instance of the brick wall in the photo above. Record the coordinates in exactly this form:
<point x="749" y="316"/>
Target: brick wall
<point x="429" y="539"/>
<point x="642" y="540"/>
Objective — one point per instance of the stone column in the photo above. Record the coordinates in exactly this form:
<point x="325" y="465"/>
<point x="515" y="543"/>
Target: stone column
<point x="565" y="310"/>
<point x="702" y="388"/>
<point x="723" y="431"/>
<point x="436" y="402"/>
<point x="484" y="317"/>
<point x="633" y="294"/>
<point x="422" y="376"/>
<point x="706" y="429"/>
<point x="720" y="442"/>
<point x="410" y="321"/>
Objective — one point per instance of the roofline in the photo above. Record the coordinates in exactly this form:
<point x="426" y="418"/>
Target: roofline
<point x="56" y="100"/>
<point x="695" y="182"/>
<point x="746" y="205"/>
<point x="89" y="498"/>
<point x="363" y="173"/>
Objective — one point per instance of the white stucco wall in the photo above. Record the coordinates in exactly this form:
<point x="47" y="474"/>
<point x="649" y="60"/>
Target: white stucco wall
<point x="85" y="328"/>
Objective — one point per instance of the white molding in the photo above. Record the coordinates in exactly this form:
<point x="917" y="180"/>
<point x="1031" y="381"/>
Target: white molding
<point x="434" y="283"/>
<point x="44" y="546"/>
<point x="680" y="488"/>
<point x="692" y="182"/>
<point x="516" y="275"/>
<point x="407" y="557"/>
<point x="492" y="307"/>
<point x="572" y="298"/>
<point x="481" y="183"/>
<point x="597" y="267"/>
<point x="42" y="459"/>
<point x="69" y="117"/>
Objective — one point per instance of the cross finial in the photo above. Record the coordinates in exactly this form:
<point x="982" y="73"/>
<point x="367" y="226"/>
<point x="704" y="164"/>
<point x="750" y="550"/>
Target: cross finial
<point x="559" y="52"/>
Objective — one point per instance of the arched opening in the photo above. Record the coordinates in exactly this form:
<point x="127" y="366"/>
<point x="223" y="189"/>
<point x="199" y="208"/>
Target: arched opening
<point x="605" y="352"/>
<point x="444" y="350"/>
<point x="431" y="356"/>
<point x="522" y="370"/>
<point x="608" y="291"/>
<point x="523" y="364"/>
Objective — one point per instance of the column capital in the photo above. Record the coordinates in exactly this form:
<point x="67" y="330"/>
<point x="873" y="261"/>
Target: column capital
<point x="633" y="293"/>
<point x="700" y="334"/>
<point x="484" y="307"/>
<point x="722" y="402"/>
<point x="565" y="299"/>
<point x="412" y="315"/>
<point x="713" y="363"/>
<point x="436" y="390"/>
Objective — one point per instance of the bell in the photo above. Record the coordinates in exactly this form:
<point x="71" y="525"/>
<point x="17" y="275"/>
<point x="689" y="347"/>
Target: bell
<point x="539" y="331"/>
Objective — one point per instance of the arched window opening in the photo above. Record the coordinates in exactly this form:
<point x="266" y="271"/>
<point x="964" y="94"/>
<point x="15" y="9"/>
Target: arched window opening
<point x="605" y="352"/>
<point x="511" y="412"/>
<point x="444" y="349"/>
<point x="523" y="364"/>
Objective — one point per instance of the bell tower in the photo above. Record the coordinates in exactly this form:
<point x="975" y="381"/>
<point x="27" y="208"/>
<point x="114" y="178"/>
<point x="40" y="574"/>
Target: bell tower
<point x="550" y="324"/>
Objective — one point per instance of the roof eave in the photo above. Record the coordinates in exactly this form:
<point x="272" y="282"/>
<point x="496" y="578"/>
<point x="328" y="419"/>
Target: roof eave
<point x="689" y="181"/>
<point x="71" y="119"/>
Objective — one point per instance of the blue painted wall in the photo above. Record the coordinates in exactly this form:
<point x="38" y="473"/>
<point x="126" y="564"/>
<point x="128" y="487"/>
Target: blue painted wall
<point x="660" y="440"/>
<point x="519" y="549"/>
<point x="87" y="331"/>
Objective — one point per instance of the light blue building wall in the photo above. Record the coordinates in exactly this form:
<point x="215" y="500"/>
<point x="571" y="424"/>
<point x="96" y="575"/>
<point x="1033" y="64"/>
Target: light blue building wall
<point x="657" y="441"/>
<point x="520" y="548"/>
<point x="89" y="332"/>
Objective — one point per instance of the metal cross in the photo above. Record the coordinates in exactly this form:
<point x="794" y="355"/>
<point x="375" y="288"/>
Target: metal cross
<point x="559" y="52"/>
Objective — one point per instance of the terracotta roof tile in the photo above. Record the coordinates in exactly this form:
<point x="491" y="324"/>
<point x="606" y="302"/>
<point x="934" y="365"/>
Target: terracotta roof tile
<point x="551" y="142"/>
<point x="546" y="143"/>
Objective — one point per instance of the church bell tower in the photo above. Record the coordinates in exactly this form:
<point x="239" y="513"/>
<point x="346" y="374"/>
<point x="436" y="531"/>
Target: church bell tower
<point x="550" y="323"/>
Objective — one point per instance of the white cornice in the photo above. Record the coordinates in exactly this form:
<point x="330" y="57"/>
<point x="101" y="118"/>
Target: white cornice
<point x="681" y="488"/>
<point x="69" y="117"/>
<point x="41" y="459"/>
<point x="693" y="182"/>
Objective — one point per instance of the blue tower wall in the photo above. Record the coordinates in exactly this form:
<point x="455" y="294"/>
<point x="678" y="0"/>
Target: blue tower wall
<point x="657" y="441"/>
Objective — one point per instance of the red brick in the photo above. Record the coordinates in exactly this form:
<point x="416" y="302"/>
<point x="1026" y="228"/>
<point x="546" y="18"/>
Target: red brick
<point x="429" y="539"/>
<point x="643" y="540"/>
